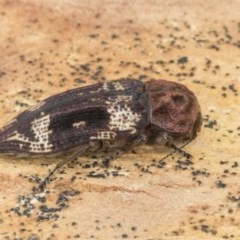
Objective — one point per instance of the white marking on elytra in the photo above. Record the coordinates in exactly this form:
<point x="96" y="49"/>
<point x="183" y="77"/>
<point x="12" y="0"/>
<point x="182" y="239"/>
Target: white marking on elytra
<point x="79" y="124"/>
<point x="118" y="86"/>
<point x="41" y="144"/>
<point x="105" y="87"/>
<point x="104" y="135"/>
<point x="96" y="91"/>
<point x="122" y="117"/>
<point x="120" y="98"/>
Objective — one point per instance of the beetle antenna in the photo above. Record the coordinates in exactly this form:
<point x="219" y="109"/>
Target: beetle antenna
<point x="81" y="150"/>
<point x="178" y="149"/>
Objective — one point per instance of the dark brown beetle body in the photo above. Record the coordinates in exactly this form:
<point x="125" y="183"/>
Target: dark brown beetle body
<point x="118" y="112"/>
<point x="103" y="116"/>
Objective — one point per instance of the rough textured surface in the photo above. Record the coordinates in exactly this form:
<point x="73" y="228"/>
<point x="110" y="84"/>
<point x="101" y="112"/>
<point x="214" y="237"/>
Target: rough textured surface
<point x="50" y="46"/>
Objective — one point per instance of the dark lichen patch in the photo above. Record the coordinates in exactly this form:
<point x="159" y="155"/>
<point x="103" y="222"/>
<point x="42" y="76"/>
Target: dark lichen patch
<point x="235" y="165"/>
<point x="79" y="81"/>
<point x="220" y="184"/>
<point x="34" y="237"/>
<point x="115" y="171"/>
<point x="214" y="47"/>
<point x="158" y="164"/>
<point x="143" y="168"/>
<point x="183" y="164"/>
<point x="39" y="206"/>
<point x="200" y="82"/>
<point x="124" y="231"/>
<point x="95" y="168"/>
<point x="199" y="176"/>
<point x="234" y="198"/>
<point x="209" y="123"/>
<point x="202" y="172"/>
<point x="182" y="60"/>
<point x="213" y="229"/>
<point x="178" y="232"/>
<point x="2" y="73"/>
<point x="21" y="104"/>
<point x="207" y="229"/>
<point x="177" y="163"/>
<point x="229" y="90"/>
<point x="34" y="178"/>
<point x="233" y="89"/>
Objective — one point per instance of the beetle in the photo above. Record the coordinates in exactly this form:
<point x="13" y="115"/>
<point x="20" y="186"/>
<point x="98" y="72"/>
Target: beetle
<point x="104" y="117"/>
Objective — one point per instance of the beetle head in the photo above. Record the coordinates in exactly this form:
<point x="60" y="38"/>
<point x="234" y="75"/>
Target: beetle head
<point x="174" y="109"/>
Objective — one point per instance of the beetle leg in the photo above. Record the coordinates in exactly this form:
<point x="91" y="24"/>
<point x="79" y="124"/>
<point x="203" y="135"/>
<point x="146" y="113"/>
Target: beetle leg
<point x="105" y="146"/>
<point x="179" y="149"/>
<point x="79" y="151"/>
<point x="136" y="141"/>
<point x="106" y="161"/>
